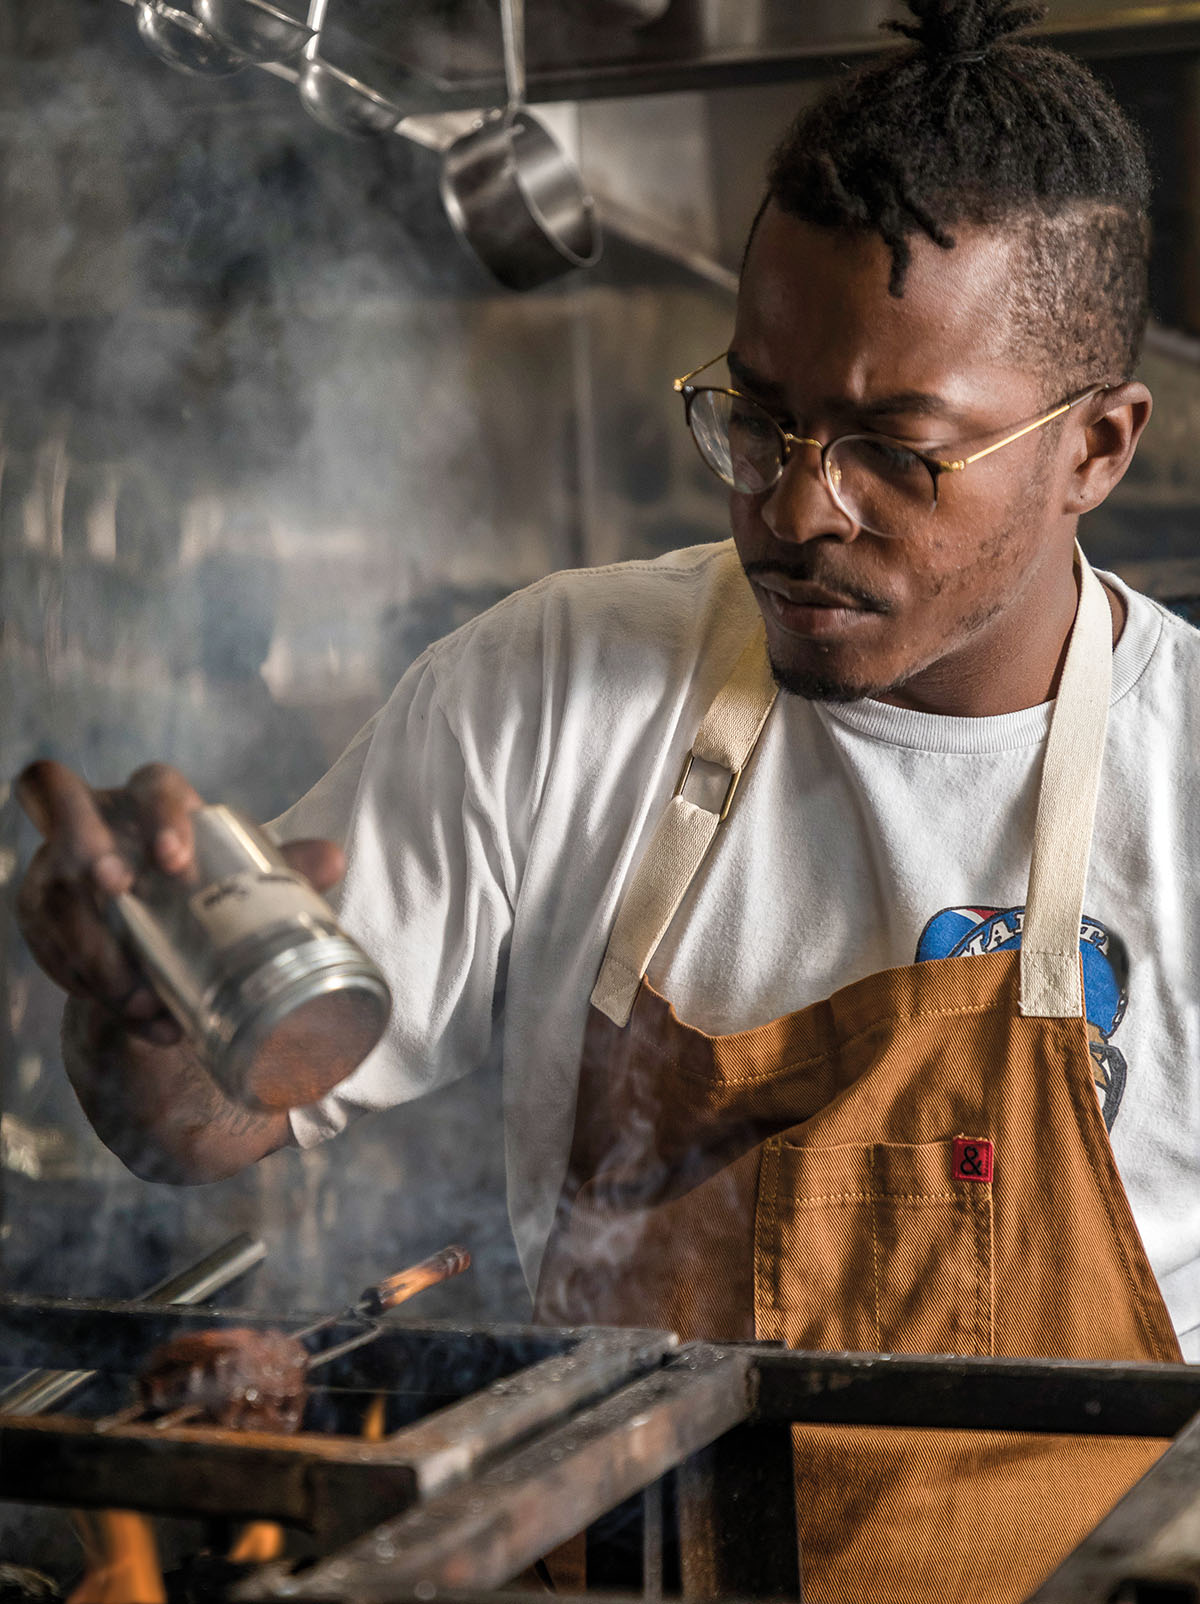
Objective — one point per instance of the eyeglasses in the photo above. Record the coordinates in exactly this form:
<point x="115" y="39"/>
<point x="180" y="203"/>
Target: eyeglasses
<point x="883" y="485"/>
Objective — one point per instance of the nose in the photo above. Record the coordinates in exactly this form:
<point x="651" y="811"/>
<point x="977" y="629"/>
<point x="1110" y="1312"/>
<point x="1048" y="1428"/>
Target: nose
<point x="800" y="506"/>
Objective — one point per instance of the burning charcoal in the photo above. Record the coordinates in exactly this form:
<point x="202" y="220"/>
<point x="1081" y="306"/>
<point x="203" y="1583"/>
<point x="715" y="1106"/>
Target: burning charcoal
<point x="243" y="1379"/>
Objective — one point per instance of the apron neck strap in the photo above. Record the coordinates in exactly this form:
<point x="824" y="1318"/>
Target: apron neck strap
<point x="724" y="742"/>
<point x="1051" y="972"/>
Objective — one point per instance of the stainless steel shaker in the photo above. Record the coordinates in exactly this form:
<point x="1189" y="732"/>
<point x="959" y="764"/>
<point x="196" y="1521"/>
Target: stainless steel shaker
<point x="279" y="1002"/>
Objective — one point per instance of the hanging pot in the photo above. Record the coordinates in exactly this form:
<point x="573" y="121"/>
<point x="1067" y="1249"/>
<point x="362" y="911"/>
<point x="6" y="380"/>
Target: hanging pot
<point x="510" y="190"/>
<point x="517" y="200"/>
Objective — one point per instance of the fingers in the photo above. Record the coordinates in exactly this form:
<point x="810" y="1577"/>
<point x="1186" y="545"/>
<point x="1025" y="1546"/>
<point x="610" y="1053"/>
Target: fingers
<point x="322" y="862"/>
<point x="61" y="927"/>
<point x="66" y="811"/>
<point x="105" y="835"/>
<point x="58" y="905"/>
<point x="60" y="919"/>
<point x="96" y="842"/>
<point x="81" y="954"/>
<point x="163" y="802"/>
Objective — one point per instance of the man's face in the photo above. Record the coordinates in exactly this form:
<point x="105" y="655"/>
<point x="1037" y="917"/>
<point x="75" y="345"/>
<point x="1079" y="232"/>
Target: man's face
<point x="821" y="343"/>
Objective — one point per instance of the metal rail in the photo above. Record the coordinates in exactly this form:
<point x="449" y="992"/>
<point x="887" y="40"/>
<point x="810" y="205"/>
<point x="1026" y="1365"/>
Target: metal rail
<point x="478" y="1395"/>
<point x="526" y="1436"/>
<point x="42" y="1389"/>
<point x="1036" y="1395"/>
<point x="486" y="1531"/>
<point x="718" y="1420"/>
<point x="694" y="49"/>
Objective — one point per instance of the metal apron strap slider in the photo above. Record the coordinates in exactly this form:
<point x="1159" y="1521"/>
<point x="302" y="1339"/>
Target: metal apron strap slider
<point x="711" y="772"/>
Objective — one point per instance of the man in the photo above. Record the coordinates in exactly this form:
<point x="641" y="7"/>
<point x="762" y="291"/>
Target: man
<point x="736" y="1103"/>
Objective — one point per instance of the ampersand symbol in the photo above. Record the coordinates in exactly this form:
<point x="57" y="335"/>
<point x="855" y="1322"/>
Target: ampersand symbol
<point x="969" y="1163"/>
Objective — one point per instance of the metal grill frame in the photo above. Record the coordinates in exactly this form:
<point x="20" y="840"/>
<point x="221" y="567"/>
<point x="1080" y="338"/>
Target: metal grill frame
<point x="465" y="1499"/>
<point x="329" y="1485"/>
<point x="718" y="1420"/>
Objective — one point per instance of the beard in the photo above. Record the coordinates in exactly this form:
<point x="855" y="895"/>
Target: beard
<point x="817" y="685"/>
<point x="814" y="686"/>
<point x="817" y="682"/>
<point x="818" y="562"/>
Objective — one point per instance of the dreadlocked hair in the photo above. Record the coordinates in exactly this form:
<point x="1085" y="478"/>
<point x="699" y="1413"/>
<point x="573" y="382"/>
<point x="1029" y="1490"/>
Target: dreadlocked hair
<point x="968" y="124"/>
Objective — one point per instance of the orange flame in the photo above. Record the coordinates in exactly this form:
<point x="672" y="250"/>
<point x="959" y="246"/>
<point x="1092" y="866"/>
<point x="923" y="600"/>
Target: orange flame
<point x="373" y="1420"/>
<point x="257" y="1543"/>
<point x="121" y="1557"/>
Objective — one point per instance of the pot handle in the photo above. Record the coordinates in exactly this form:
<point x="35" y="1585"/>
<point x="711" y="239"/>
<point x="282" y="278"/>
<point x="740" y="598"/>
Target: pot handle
<point x="316" y="21"/>
<point x="512" y="25"/>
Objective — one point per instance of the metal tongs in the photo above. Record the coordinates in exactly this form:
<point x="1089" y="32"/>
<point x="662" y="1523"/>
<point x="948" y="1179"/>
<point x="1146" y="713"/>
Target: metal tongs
<point x="376" y="1300"/>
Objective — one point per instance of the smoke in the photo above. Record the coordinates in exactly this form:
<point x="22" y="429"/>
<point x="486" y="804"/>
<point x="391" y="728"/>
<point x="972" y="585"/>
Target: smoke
<point x="237" y="426"/>
<point x="265" y="430"/>
<point x="657" y="1227"/>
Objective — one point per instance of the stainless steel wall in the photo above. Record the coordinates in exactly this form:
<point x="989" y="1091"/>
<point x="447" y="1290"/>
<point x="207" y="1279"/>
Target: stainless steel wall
<point x="265" y="433"/>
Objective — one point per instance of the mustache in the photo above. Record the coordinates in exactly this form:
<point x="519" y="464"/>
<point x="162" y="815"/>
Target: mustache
<point x="808" y="572"/>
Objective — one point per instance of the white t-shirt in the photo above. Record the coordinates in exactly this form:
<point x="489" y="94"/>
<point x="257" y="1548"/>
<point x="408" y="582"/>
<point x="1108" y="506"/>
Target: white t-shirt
<point x="493" y="809"/>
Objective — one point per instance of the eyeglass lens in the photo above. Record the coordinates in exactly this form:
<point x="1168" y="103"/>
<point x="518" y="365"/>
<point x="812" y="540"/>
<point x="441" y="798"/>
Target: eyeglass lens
<point x="881" y="486"/>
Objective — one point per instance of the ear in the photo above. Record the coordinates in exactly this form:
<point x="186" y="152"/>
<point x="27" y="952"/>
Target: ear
<point x="1103" y="449"/>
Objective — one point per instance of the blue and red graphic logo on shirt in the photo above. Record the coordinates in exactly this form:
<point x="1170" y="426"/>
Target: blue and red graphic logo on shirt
<point x="965" y="932"/>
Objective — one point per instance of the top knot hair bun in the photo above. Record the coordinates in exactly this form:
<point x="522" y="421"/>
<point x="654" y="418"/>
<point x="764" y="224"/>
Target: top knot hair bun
<point x="958" y="32"/>
<point x="972" y="125"/>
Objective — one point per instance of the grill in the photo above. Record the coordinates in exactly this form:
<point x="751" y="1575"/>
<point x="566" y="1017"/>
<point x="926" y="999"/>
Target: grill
<point x="501" y="1442"/>
<point x="452" y="1401"/>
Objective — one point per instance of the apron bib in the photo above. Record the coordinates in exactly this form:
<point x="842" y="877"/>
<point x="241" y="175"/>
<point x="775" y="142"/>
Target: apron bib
<point x="917" y="1164"/>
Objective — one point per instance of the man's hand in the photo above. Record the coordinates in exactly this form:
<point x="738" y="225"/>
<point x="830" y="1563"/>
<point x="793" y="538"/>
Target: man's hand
<point x="96" y="843"/>
<point x="140" y="1083"/>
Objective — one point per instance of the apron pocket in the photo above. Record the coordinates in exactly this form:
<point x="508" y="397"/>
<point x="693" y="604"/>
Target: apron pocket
<point x="875" y="1248"/>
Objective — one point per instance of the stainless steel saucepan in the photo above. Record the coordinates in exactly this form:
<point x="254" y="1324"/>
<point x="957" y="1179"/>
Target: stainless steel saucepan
<point x="511" y="191"/>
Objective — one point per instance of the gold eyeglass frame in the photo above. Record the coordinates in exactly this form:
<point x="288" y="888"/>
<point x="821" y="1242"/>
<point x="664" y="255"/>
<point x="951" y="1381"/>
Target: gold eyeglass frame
<point x="935" y="466"/>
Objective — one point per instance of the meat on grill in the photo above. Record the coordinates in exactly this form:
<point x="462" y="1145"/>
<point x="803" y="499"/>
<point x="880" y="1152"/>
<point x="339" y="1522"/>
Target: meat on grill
<point x="244" y="1379"/>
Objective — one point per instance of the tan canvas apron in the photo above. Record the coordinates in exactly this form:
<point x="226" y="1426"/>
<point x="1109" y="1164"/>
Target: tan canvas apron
<point x="917" y="1164"/>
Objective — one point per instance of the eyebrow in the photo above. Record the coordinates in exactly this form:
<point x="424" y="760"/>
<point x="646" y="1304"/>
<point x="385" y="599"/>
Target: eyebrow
<point x="908" y="403"/>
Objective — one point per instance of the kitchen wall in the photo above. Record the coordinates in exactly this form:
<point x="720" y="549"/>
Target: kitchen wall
<point x="265" y="432"/>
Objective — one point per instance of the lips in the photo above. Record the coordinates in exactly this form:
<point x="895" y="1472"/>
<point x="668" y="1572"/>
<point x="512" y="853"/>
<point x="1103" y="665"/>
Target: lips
<point x="801" y="608"/>
<point x="802" y="593"/>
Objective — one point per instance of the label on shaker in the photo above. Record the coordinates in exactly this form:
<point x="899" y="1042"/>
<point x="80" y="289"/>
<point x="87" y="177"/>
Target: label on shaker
<point x="250" y="901"/>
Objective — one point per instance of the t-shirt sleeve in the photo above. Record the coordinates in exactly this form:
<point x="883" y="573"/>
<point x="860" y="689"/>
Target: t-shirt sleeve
<point x="428" y="893"/>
